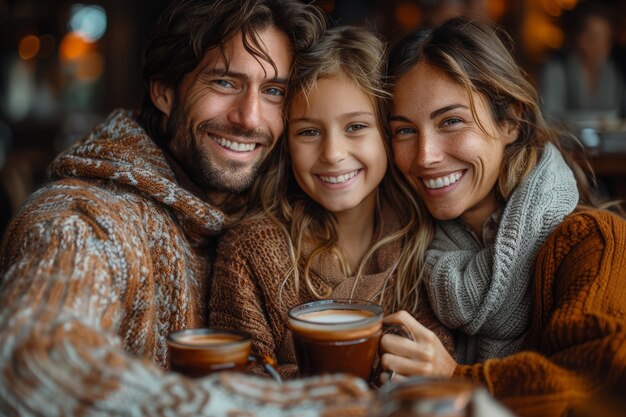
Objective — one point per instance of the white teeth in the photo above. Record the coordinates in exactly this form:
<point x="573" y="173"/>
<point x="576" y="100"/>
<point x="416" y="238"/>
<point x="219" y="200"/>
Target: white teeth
<point x="442" y="181"/>
<point x="340" y="179"/>
<point x="235" y="146"/>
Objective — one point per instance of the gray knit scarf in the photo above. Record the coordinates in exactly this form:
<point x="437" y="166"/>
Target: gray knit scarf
<point x="485" y="292"/>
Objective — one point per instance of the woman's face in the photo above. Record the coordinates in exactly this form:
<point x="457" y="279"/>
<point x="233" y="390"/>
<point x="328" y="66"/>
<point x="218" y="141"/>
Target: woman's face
<point x="336" y="148"/>
<point x="438" y="145"/>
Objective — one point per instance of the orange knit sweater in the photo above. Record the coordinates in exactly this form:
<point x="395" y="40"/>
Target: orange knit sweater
<point x="576" y="346"/>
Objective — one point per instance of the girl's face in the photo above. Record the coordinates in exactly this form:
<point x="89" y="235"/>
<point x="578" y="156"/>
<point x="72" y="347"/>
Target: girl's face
<point x="336" y="148"/>
<point x="438" y="145"/>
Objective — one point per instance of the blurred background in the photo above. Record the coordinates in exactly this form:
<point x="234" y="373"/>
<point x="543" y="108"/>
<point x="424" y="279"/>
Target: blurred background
<point x="65" y="65"/>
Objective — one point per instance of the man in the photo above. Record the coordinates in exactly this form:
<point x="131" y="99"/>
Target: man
<point x="114" y="253"/>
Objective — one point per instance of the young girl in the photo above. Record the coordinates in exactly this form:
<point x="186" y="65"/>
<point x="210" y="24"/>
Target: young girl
<point x="524" y="266"/>
<point x="337" y="221"/>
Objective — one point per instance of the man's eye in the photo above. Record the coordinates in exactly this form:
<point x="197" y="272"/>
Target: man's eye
<point x="224" y="83"/>
<point x="273" y="91"/>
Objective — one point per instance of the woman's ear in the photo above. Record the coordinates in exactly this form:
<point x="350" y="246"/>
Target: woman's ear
<point x="162" y="96"/>
<point x="510" y="128"/>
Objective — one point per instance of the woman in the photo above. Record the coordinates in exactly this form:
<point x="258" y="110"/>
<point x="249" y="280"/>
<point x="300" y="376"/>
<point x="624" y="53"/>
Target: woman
<point x="337" y="220"/>
<point x="529" y="274"/>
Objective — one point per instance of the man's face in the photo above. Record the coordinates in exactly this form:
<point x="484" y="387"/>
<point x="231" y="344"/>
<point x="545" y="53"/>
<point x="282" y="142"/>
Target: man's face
<point x="223" y="123"/>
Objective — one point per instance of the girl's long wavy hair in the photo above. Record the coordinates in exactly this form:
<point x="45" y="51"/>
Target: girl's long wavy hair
<point x="477" y="57"/>
<point x="359" y="54"/>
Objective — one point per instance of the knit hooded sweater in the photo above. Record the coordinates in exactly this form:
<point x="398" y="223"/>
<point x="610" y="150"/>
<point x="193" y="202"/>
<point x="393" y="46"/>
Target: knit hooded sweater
<point x="248" y="292"/>
<point x="576" y="345"/>
<point x="98" y="267"/>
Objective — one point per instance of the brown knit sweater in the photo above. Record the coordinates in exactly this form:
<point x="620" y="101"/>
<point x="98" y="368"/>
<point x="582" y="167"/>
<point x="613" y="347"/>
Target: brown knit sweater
<point x="576" y="346"/>
<point x="251" y="263"/>
<point x="98" y="267"/>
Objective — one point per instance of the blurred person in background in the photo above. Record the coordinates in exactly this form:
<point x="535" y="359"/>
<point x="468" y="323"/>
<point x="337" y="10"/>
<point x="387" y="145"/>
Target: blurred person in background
<point x="584" y="84"/>
<point x="113" y="253"/>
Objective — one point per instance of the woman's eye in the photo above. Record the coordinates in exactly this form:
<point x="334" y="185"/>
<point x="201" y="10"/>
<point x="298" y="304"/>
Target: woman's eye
<point x="404" y="131"/>
<point x="451" y="121"/>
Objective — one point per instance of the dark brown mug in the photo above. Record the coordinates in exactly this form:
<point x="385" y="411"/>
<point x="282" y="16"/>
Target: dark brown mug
<point x="200" y="352"/>
<point x="336" y="336"/>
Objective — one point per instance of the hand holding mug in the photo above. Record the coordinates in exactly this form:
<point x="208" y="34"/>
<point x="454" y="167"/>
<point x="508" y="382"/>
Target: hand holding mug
<point x="425" y="355"/>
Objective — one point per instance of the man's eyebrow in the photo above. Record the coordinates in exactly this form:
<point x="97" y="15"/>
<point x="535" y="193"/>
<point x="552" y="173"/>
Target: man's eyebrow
<point x="221" y="72"/>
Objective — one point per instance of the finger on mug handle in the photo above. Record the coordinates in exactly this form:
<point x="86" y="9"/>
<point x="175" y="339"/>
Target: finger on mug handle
<point x="397" y="329"/>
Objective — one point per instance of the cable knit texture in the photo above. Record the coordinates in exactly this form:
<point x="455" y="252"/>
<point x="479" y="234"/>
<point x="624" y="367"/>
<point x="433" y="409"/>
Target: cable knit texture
<point x="576" y="345"/>
<point x="99" y="266"/>
<point x="248" y="291"/>
<point x="485" y="292"/>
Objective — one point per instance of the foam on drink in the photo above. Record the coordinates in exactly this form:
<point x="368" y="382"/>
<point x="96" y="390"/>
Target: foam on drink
<point x="335" y="316"/>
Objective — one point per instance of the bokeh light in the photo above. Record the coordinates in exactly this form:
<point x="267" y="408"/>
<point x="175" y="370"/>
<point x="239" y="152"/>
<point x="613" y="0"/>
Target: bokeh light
<point x="496" y="9"/>
<point x="73" y="46"/>
<point x="90" y="21"/>
<point x="28" y="47"/>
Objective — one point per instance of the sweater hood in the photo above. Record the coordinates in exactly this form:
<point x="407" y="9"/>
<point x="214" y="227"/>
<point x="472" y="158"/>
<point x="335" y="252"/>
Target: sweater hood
<point x="120" y="151"/>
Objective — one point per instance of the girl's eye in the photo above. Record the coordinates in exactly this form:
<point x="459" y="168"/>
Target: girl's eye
<point x="308" y="132"/>
<point x="356" y="127"/>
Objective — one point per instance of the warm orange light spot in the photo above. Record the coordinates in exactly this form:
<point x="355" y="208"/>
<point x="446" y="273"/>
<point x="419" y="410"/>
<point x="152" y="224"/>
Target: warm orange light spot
<point x="408" y="15"/>
<point x="73" y="46"/>
<point x="540" y="33"/>
<point x="552" y="7"/>
<point x="496" y="9"/>
<point x="554" y="37"/>
<point x="29" y="46"/>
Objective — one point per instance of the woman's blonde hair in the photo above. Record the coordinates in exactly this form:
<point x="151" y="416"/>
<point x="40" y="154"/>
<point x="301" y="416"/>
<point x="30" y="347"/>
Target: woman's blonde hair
<point x="359" y="54"/>
<point x="474" y="55"/>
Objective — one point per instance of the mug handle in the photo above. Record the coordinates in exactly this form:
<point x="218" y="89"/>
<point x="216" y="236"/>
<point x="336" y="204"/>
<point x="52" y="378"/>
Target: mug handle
<point x="268" y="363"/>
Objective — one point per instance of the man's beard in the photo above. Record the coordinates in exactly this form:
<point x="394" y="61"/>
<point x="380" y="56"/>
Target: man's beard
<point x="183" y="142"/>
